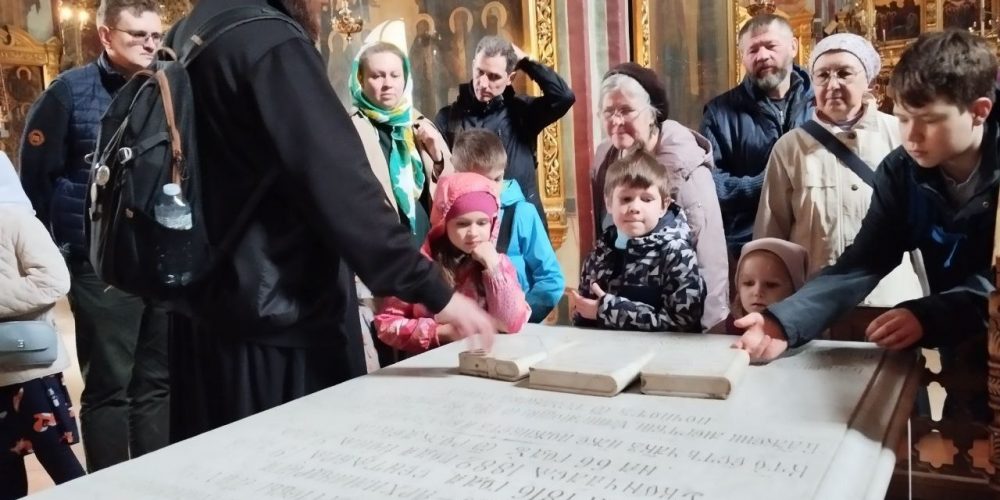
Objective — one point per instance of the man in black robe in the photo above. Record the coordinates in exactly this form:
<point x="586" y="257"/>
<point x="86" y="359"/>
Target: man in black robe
<point x="278" y="319"/>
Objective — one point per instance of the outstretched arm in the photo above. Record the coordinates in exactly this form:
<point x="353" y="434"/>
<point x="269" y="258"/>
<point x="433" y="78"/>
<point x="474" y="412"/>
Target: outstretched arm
<point x="556" y="98"/>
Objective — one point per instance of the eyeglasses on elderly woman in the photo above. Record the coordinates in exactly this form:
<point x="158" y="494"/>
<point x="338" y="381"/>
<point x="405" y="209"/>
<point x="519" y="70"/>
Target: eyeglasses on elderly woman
<point x="626" y="113"/>
<point x="845" y="76"/>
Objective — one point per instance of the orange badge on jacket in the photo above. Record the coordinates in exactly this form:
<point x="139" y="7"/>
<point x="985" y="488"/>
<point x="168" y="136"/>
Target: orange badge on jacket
<point x="36" y="138"/>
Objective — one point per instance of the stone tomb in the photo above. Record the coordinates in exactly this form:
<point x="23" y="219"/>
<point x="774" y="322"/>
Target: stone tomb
<point x="819" y="423"/>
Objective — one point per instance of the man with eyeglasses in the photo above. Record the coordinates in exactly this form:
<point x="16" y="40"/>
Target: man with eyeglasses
<point x="489" y="102"/>
<point x="121" y="341"/>
<point x="744" y="123"/>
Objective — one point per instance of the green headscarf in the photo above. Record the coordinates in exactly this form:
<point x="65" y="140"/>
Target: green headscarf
<point x="406" y="171"/>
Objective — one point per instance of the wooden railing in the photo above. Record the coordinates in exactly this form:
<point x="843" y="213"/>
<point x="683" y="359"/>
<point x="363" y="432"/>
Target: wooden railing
<point x="954" y="451"/>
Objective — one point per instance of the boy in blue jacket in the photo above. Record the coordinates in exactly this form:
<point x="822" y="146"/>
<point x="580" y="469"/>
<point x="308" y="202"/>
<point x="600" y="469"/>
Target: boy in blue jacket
<point x="522" y="236"/>
<point x="937" y="192"/>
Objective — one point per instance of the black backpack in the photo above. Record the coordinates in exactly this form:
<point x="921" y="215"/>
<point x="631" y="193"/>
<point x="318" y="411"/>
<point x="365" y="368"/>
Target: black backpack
<point x="147" y="138"/>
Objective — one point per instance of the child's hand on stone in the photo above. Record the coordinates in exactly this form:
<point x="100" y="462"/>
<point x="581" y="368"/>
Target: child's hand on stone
<point x="895" y="329"/>
<point x="762" y="338"/>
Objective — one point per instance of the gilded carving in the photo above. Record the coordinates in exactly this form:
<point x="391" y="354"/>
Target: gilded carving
<point x="18" y="48"/>
<point x="26" y="68"/>
<point x="550" y="176"/>
<point x="640" y="24"/>
<point x="172" y="10"/>
<point x="25" y="58"/>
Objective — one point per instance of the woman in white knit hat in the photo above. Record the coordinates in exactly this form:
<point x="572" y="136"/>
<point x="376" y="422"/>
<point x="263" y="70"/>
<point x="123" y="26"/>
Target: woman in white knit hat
<point x="817" y="186"/>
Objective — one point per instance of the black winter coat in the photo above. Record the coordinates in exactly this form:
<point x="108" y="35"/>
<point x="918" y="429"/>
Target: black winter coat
<point x="517" y="119"/>
<point x="264" y="103"/>
<point x="910" y="209"/>
<point x="743" y="126"/>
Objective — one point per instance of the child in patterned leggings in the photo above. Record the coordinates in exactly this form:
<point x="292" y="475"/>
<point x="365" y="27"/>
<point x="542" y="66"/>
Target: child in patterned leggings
<point x="35" y="410"/>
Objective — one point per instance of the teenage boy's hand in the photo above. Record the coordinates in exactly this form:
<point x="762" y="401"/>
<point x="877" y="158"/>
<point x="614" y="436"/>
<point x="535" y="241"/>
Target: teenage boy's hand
<point x="486" y="254"/>
<point x="586" y="308"/>
<point x="762" y="338"/>
<point x="895" y="329"/>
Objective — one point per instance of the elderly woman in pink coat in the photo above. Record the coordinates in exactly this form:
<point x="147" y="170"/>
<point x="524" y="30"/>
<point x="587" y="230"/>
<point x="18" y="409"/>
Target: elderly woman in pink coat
<point x="634" y="110"/>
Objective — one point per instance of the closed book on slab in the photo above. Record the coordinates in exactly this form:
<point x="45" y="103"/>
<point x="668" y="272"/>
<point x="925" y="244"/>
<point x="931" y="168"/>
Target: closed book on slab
<point x="712" y="372"/>
<point x="510" y="358"/>
<point x="594" y="368"/>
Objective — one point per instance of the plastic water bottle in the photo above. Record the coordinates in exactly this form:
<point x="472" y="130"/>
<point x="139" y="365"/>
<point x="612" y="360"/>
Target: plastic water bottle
<point x="173" y="212"/>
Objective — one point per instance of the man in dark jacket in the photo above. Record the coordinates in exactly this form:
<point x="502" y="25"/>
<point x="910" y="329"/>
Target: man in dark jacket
<point x="278" y="319"/>
<point x="744" y="123"/>
<point x="490" y="102"/>
<point x="121" y="341"/>
<point x="936" y="193"/>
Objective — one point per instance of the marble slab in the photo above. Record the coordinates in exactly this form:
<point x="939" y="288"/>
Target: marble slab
<point x="819" y="423"/>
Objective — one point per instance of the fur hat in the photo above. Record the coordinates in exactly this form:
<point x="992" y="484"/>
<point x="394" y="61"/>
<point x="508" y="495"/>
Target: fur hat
<point x="650" y="82"/>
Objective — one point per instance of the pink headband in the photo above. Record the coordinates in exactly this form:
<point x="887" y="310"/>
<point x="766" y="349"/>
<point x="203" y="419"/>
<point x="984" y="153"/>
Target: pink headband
<point x="475" y="201"/>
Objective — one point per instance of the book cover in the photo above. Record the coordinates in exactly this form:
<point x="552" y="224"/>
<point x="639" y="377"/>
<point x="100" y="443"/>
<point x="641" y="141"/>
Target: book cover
<point x="711" y="372"/>
<point x="595" y="368"/>
<point x="510" y="357"/>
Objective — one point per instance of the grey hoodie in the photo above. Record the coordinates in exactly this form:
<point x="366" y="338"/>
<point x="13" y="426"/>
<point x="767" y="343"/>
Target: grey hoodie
<point x="688" y="157"/>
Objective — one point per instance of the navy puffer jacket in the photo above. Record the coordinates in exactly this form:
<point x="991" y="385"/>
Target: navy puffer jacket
<point x="743" y="126"/>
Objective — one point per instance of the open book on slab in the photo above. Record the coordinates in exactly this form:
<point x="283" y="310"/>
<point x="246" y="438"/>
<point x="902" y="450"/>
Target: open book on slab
<point x="595" y="368"/>
<point x="711" y="372"/>
<point x="510" y="357"/>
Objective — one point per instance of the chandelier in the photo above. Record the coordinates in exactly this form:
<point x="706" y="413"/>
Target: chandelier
<point x="345" y="23"/>
<point x="75" y="11"/>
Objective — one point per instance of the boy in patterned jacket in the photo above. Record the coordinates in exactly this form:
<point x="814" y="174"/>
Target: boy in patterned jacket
<point x="643" y="273"/>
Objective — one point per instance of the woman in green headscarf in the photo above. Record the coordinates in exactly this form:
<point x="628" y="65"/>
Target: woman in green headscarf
<point x="405" y="150"/>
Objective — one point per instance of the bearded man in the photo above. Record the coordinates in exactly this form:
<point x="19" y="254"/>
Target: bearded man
<point x="744" y="123"/>
<point x="277" y="319"/>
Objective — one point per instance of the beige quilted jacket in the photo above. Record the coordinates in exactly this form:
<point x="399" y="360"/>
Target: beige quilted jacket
<point x="812" y="199"/>
<point x="33" y="276"/>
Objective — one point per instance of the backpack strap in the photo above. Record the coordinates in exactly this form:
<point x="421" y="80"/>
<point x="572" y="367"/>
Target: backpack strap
<point x="225" y="21"/>
<point x="208" y="32"/>
<point x="842" y="152"/>
<point x="506" y="229"/>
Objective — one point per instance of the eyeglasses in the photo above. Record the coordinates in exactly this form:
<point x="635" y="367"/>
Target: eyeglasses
<point x="843" y="75"/>
<point x="142" y="35"/>
<point x="626" y="114"/>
